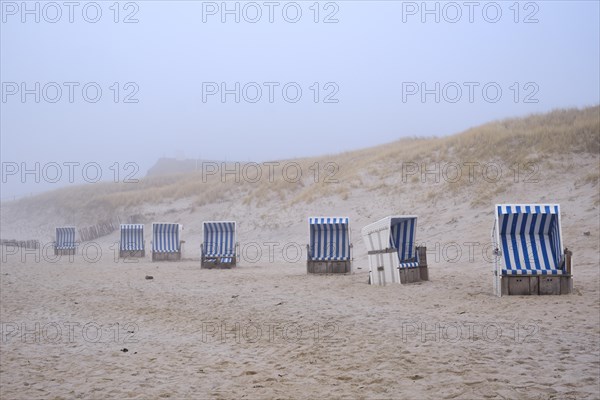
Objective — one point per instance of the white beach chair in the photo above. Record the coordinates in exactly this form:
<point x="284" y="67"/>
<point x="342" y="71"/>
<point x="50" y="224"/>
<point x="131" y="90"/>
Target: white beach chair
<point x="392" y="251"/>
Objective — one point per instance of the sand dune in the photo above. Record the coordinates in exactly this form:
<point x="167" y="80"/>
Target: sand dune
<point x="268" y="330"/>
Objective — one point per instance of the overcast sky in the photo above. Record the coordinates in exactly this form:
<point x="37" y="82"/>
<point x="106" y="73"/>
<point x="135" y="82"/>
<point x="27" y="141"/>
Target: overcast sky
<point x="361" y="68"/>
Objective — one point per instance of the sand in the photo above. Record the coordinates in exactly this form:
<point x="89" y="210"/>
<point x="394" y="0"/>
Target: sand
<point x="266" y="329"/>
<point x="271" y="331"/>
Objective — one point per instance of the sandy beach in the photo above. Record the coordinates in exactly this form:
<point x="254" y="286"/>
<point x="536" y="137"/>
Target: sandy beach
<point x="94" y="326"/>
<point x="272" y="331"/>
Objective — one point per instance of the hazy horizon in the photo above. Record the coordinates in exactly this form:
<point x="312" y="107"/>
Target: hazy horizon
<point x="369" y="73"/>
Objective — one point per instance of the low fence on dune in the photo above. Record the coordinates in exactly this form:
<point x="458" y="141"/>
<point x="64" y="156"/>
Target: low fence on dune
<point x="86" y="234"/>
<point x="25" y="244"/>
<point x="93" y="232"/>
<point x="133" y="219"/>
<point x="106" y="227"/>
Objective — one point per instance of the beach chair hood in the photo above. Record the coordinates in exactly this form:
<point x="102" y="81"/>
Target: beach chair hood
<point x="65" y="238"/>
<point x="528" y="239"/>
<point x="132" y="237"/>
<point x="165" y="237"/>
<point x="329" y="238"/>
<point x="219" y="238"/>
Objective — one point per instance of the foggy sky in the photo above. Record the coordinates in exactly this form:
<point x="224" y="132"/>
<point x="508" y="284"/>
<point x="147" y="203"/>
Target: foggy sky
<point x="370" y="63"/>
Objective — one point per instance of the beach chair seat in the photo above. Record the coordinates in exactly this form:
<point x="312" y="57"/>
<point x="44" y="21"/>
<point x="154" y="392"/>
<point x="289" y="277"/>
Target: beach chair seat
<point x="408" y="264"/>
<point x="533" y="272"/>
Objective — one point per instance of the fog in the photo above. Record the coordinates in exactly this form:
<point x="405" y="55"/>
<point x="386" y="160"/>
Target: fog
<point x="100" y="91"/>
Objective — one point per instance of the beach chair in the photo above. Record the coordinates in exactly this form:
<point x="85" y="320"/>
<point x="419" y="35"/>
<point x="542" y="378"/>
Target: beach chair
<point x="329" y="250"/>
<point x="528" y="247"/>
<point x="132" y="241"/>
<point x="393" y="255"/>
<point x="219" y="249"/>
<point x="65" y="243"/>
<point x="166" y="241"/>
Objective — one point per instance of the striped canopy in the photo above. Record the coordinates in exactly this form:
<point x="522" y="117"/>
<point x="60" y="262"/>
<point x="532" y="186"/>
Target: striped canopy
<point x="402" y="236"/>
<point x="165" y="238"/>
<point x="329" y="238"/>
<point x="65" y="238"/>
<point x="219" y="239"/>
<point x="529" y="237"/>
<point x="132" y="237"/>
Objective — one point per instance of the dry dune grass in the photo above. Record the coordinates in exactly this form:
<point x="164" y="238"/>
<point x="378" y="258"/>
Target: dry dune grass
<point x="537" y="138"/>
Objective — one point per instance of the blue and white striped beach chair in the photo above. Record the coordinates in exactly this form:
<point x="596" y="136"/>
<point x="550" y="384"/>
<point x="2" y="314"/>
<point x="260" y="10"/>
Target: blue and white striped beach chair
<point x="529" y="250"/>
<point x="166" y="241"/>
<point x="219" y="249"/>
<point x="329" y="249"/>
<point x="132" y="241"/>
<point x="392" y="251"/>
<point x="65" y="243"/>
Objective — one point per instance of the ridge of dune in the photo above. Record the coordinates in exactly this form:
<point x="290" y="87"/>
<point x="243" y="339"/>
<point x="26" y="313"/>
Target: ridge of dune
<point x="549" y="157"/>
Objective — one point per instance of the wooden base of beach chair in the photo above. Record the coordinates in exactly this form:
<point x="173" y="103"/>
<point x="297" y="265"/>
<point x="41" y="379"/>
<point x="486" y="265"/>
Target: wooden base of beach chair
<point x="329" y="267"/>
<point x="173" y="256"/>
<point x="409" y="275"/>
<point x="423" y="271"/>
<point x="64" y="252"/>
<point x="386" y="273"/>
<point x="208" y="264"/>
<point x="413" y="275"/>
<point x="217" y="266"/>
<point x="132" y="253"/>
<point x="536" y="285"/>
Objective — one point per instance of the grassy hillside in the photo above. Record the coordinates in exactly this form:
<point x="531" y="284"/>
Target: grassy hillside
<point x="547" y="140"/>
